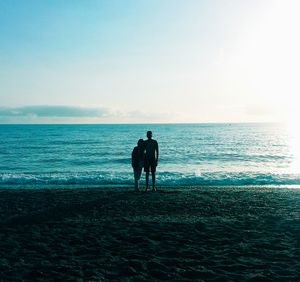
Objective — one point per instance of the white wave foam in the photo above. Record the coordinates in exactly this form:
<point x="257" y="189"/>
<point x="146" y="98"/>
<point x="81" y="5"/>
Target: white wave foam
<point x="163" y="178"/>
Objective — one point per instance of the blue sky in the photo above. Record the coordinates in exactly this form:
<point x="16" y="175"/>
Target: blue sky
<point x="148" y="61"/>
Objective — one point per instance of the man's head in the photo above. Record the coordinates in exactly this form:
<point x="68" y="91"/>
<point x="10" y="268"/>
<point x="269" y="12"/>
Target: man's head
<point x="149" y="134"/>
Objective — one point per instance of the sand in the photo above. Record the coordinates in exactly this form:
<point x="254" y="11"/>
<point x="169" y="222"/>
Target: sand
<point x="183" y="234"/>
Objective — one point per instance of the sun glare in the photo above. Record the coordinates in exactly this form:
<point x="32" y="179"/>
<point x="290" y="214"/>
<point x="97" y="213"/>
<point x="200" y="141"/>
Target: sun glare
<point x="273" y="56"/>
<point x="292" y="125"/>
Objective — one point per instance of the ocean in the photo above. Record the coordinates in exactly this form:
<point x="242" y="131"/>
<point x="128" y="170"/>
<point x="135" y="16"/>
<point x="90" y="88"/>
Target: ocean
<point x="190" y="154"/>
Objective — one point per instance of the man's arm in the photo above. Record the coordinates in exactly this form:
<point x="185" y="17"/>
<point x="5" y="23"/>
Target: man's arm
<point x="157" y="153"/>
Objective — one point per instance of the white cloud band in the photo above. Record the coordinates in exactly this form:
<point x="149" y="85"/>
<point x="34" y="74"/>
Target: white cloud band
<point x="74" y="114"/>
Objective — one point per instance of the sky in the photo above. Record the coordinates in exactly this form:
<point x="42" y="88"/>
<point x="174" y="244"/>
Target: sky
<point x="93" y="61"/>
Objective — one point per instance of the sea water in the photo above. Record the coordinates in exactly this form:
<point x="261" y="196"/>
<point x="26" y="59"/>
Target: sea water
<point x="189" y="154"/>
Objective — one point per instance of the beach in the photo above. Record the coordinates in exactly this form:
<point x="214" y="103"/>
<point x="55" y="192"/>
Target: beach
<point x="176" y="233"/>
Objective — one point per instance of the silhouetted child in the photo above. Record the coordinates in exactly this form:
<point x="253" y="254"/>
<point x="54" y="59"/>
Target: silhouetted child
<point x="137" y="162"/>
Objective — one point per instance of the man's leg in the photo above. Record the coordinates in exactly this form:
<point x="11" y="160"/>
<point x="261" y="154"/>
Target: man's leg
<point x="153" y="170"/>
<point x="136" y="184"/>
<point x="153" y="181"/>
<point x="147" y="180"/>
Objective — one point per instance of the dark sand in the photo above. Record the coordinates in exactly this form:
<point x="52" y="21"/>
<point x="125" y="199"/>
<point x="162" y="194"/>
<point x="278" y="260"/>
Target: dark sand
<point x="183" y="234"/>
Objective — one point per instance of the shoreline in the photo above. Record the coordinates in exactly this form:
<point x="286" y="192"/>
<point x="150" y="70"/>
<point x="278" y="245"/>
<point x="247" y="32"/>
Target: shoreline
<point x="131" y="186"/>
<point x="182" y="233"/>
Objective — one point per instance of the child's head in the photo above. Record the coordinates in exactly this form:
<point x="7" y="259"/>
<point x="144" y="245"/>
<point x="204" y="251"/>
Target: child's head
<point x="140" y="143"/>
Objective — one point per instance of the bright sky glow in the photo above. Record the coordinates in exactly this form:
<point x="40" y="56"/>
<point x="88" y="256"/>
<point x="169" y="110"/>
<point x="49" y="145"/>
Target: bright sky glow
<point x="149" y="61"/>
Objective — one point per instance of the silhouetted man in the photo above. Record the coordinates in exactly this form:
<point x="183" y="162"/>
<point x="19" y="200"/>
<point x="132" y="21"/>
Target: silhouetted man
<point x="151" y="159"/>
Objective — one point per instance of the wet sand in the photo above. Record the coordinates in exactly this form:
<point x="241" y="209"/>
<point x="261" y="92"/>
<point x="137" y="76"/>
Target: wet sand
<point x="183" y="234"/>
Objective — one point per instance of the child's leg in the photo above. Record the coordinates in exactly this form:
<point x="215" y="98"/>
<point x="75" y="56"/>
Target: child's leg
<point x="136" y="179"/>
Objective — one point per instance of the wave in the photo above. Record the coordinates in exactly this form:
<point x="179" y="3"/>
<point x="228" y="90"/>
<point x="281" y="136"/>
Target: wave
<point x="163" y="178"/>
<point x="225" y="179"/>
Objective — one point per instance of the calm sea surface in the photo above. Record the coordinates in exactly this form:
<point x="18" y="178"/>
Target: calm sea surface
<point x="190" y="154"/>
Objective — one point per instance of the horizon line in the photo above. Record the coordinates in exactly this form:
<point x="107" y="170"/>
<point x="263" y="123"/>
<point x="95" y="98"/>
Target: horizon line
<point x="154" y="123"/>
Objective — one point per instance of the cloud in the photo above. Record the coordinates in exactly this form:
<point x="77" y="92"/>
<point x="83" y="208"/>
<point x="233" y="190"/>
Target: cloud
<point x="53" y="111"/>
<point x="73" y="114"/>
